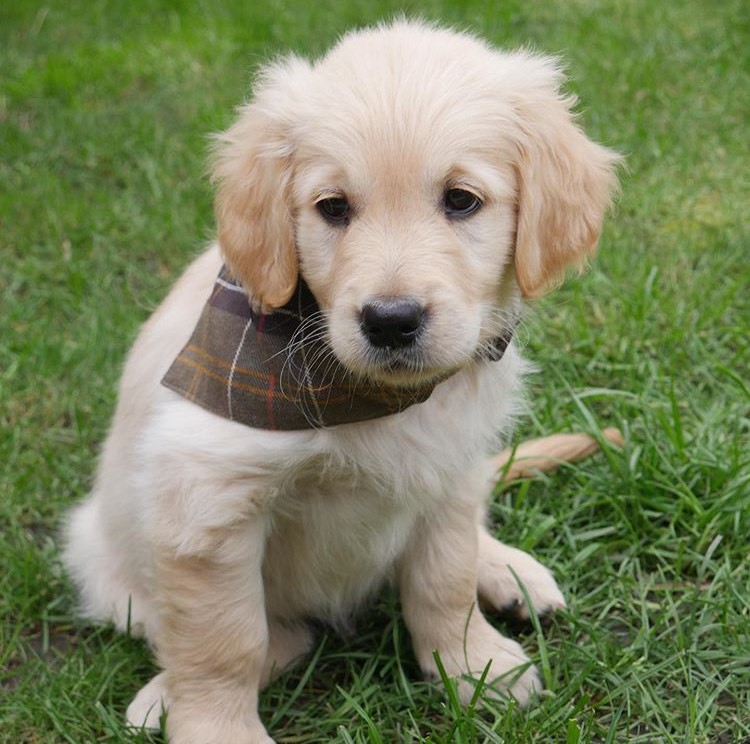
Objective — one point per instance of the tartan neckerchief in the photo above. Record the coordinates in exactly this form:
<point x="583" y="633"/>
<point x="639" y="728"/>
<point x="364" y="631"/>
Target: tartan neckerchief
<point x="276" y="371"/>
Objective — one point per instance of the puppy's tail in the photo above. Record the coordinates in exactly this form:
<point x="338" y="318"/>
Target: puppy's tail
<point x="547" y="453"/>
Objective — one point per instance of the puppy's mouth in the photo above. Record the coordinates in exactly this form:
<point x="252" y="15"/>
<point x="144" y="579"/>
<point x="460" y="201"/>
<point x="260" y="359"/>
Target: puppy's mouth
<point x="402" y="368"/>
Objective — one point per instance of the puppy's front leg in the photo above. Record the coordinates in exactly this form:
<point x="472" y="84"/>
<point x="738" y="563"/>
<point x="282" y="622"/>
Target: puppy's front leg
<point x="438" y="584"/>
<point x="213" y="638"/>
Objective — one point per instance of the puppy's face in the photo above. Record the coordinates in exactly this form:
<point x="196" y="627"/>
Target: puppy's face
<point x="421" y="182"/>
<point x="404" y="231"/>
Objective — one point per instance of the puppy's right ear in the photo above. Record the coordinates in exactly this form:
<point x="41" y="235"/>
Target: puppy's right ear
<point x="253" y="167"/>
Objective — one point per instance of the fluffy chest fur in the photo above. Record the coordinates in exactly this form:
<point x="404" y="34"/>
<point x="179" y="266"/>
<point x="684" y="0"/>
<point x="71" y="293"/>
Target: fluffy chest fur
<point x="345" y="516"/>
<point x="342" y="502"/>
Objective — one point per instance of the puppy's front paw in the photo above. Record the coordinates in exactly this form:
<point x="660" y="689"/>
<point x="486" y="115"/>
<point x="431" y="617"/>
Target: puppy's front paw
<point x="500" y="570"/>
<point x="510" y="673"/>
<point x="192" y="726"/>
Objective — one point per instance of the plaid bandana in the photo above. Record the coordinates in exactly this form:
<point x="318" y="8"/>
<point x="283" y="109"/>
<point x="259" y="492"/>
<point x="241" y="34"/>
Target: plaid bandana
<point x="276" y="371"/>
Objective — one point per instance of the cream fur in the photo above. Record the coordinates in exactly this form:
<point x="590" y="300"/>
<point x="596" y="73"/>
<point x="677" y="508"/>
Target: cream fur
<point x="216" y="541"/>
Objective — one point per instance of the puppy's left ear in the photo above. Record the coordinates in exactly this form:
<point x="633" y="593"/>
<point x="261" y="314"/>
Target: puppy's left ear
<point x="565" y="181"/>
<point x="253" y="169"/>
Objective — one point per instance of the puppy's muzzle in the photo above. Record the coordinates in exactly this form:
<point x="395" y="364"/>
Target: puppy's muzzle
<point x="392" y="322"/>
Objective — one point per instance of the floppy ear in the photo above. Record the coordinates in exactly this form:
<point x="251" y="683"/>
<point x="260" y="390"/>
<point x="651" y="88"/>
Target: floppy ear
<point x="253" y="166"/>
<point x="565" y="182"/>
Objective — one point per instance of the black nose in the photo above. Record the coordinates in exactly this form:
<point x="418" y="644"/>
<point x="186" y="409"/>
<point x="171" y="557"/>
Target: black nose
<point x="392" y="322"/>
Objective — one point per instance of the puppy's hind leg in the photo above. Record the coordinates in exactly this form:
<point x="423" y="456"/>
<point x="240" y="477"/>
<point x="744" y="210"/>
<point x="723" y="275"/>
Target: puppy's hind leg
<point x="499" y="571"/>
<point x="108" y="588"/>
<point x="149" y="704"/>
<point x="287" y="644"/>
<point x="501" y="567"/>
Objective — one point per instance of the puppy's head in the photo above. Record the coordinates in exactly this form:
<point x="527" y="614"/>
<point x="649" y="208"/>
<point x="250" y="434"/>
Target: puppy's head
<point x="421" y="182"/>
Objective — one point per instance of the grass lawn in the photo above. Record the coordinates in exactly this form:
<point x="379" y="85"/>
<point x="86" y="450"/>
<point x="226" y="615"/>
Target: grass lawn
<point x="104" y="112"/>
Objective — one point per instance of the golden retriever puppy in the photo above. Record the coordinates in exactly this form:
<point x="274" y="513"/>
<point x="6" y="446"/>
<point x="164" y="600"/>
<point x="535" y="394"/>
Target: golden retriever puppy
<point x="395" y="201"/>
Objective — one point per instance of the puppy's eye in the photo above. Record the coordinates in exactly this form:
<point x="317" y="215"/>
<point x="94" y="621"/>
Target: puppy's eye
<point x="334" y="209"/>
<point x="460" y="203"/>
